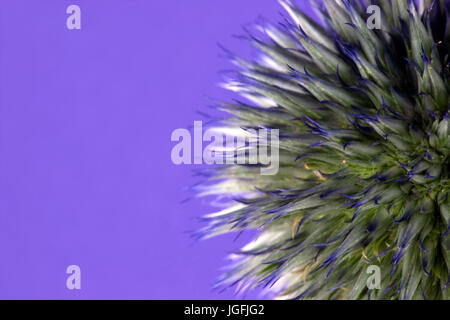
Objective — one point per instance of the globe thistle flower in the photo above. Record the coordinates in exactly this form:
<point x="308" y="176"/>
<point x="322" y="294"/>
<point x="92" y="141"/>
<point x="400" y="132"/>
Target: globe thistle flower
<point x="363" y="175"/>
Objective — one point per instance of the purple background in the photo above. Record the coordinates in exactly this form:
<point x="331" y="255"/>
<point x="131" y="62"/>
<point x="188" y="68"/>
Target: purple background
<point x="85" y="122"/>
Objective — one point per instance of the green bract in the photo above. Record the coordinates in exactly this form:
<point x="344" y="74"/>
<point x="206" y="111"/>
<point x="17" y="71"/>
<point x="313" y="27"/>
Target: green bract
<point x="364" y="155"/>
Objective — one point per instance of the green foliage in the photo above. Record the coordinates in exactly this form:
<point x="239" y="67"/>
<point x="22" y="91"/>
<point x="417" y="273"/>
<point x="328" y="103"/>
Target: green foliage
<point x="364" y="155"/>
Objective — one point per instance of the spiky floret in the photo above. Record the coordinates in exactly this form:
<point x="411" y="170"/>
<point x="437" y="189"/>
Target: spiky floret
<point x="364" y="155"/>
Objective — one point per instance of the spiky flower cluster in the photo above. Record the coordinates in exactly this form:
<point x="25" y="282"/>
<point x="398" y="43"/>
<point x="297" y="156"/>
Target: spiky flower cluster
<point x="364" y="155"/>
